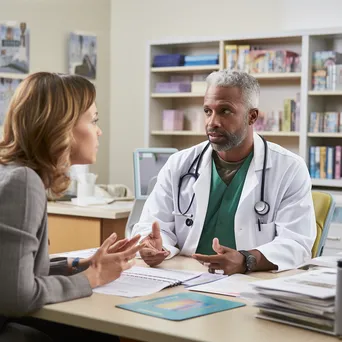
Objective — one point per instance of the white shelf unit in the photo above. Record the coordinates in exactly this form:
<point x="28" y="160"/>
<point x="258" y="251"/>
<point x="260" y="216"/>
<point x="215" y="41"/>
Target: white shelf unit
<point x="275" y="87"/>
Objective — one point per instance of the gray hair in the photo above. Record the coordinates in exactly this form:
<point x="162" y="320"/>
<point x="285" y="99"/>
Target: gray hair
<point x="232" y="78"/>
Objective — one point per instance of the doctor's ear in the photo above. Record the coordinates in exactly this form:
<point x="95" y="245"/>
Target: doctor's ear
<point x="253" y="115"/>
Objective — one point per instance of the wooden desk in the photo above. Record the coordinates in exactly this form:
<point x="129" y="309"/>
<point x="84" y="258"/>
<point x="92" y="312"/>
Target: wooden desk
<point x="98" y="313"/>
<point x="72" y="227"/>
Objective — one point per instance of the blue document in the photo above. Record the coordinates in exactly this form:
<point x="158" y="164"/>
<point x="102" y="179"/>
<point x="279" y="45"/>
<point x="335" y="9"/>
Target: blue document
<point x="181" y="306"/>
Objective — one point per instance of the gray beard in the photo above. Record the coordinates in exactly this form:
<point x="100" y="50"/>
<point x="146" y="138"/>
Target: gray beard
<point x="232" y="140"/>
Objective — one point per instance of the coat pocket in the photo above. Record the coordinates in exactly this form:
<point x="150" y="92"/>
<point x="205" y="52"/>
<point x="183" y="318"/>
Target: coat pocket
<point x="266" y="234"/>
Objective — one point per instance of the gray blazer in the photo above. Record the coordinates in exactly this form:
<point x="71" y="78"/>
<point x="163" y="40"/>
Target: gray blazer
<point x="27" y="282"/>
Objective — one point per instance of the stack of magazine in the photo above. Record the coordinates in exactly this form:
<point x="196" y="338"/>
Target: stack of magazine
<point x="304" y="300"/>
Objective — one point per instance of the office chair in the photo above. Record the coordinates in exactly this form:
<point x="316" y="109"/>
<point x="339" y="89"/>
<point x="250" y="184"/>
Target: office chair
<point x="324" y="205"/>
<point x="137" y="209"/>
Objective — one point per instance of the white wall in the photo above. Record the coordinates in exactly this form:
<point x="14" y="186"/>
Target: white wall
<point x="50" y="22"/>
<point x="124" y="27"/>
<point x="135" y="22"/>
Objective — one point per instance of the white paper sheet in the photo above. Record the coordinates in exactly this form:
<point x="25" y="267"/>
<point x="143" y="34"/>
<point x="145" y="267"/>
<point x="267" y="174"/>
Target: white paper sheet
<point x="322" y="261"/>
<point x="229" y="286"/>
<point x="319" y="283"/>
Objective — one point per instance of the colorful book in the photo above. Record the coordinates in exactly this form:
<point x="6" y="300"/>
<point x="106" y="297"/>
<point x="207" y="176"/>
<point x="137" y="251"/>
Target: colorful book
<point x="338" y="149"/>
<point x="181" y="306"/>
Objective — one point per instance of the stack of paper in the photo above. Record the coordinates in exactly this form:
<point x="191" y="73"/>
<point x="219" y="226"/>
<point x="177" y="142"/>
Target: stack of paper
<point x="305" y="300"/>
<point x="322" y="261"/>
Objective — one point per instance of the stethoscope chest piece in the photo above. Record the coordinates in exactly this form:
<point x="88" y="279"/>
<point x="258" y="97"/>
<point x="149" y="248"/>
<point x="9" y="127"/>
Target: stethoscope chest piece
<point x="262" y="208"/>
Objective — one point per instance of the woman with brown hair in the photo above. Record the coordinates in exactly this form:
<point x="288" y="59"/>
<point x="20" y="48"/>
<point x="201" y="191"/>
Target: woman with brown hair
<point x="50" y="125"/>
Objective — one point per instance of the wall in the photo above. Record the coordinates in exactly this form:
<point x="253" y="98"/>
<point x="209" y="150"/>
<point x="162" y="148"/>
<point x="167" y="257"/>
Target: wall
<point x="135" y="22"/>
<point x="50" y="22"/>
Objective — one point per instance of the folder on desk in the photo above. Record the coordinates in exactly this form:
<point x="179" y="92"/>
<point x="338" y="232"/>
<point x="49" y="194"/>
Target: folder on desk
<point x="181" y="306"/>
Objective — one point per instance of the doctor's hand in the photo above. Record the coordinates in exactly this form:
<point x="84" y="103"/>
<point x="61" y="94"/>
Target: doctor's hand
<point x="227" y="259"/>
<point x="152" y="252"/>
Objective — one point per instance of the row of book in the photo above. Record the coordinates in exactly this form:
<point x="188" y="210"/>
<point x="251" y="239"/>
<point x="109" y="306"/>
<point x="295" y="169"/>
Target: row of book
<point x="325" y="162"/>
<point x="327" y="70"/>
<point x="258" y="60"/>
<point x="169" y="60"/>
<point x="284" y="120"/>
<point x="327" y="122"/>
<point x="183" y="83"/>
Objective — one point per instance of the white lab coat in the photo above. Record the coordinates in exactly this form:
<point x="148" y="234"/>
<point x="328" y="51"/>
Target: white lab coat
<point x="288" y="231"/>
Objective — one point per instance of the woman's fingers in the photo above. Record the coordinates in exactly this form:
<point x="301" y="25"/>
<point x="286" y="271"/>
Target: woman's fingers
<point x="107" y="243"/>
<point x="130" y="243"/>
<point x="118" y="245"/>
<point x="131" y="252"/>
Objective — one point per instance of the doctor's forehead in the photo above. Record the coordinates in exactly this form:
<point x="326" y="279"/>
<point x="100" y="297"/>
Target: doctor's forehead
<point x="220" y="95"/>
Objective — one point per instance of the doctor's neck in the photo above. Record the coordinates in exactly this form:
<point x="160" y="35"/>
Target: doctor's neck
<point x="239" y="152"/>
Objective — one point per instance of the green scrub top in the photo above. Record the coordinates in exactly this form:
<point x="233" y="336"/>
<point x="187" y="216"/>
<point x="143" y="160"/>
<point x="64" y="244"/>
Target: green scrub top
<point x="223" y="202"/>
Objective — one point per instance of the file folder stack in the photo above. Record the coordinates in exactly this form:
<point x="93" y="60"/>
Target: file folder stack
<point x="304" y="300"/>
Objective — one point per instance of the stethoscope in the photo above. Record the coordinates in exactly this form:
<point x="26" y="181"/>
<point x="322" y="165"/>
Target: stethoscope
<point x="261" y="207"/>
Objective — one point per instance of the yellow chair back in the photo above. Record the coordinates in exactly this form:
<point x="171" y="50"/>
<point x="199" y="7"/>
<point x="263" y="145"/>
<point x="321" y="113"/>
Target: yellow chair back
<point x="324" y="205"/>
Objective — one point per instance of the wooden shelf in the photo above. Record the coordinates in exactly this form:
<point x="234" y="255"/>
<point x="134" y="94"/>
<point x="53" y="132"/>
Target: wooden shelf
<point x="187" y="133"/>
<point x="327" y="182"/>
<point x="324" y="92"/>
<point x="12" y="75"/>
<point x="175" y="95"/>
<point x="325" y="135"/>
<point x="192" y="133"/>
<point x="278" y="75"/>
<point x="278" y="134"/>
<point x="195" y="68"/>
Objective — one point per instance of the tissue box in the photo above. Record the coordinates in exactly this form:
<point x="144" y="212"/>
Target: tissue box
<point x="173" y="120"/>
<point x="198" y="87"/>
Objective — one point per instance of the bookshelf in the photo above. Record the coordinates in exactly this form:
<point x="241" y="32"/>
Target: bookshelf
<point x="275" y="87"/>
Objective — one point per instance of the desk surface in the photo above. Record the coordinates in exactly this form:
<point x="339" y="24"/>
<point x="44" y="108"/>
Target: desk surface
<point x="116" y="210"/>
<point x="98" y="312"/>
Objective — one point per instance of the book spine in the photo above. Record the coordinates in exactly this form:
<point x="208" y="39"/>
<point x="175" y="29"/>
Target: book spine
<point x="330" y="162"/>
<point x="338" y="162"/>
<point x="312" y="162"/>
<point x="323" y="162"/>
<point x="317" y="162"/>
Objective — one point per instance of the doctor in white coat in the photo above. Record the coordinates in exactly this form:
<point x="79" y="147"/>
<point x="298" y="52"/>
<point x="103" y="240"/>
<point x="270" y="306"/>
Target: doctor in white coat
<point x="237" y="203"/>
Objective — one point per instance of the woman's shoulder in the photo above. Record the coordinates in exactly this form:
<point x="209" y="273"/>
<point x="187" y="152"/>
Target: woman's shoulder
<point x="16" y="177"/>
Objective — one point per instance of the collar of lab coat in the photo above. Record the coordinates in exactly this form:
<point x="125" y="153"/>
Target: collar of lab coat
<point x="259" y="154"/>
<point x="257" y="161"/>
<point x="202" y="186"/>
